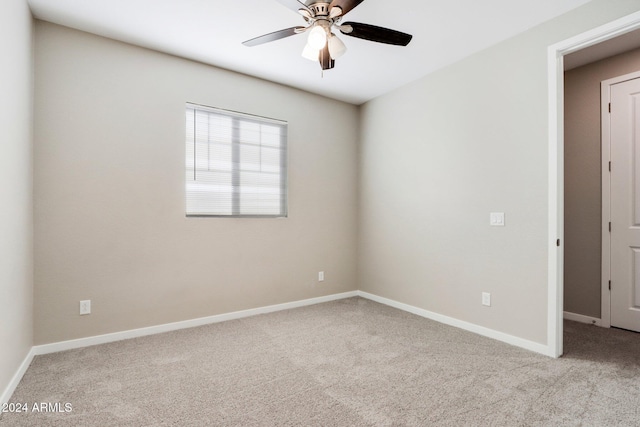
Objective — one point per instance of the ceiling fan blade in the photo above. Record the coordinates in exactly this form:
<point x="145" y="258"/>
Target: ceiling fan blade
<point x="375" y="34"/>
<point x="295" y="5"/>
<point x="345" y="5"/>
<point x="276" y="35"/>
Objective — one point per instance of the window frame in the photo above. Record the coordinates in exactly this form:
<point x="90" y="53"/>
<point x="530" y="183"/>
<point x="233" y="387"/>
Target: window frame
<point x="235" y="171"/>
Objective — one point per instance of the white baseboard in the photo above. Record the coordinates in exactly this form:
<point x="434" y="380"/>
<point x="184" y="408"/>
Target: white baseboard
<point x="11" y="387"/>
<point x="582" y="318"/>
<point x="152" y="330"/>
<point x="480" y="330"/>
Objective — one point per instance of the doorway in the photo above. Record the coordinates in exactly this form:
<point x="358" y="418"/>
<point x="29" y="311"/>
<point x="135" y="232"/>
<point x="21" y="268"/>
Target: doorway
<point x="586" y="180"/>
<point x="556" y="55"/>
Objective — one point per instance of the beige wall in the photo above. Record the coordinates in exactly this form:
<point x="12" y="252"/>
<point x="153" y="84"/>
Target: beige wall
<point x="16" y="188"/>
<point x="436" y="157"/>
<point x="440" y="154"/>
<point x="583" y="197"/>
<point x="109" y="193"/>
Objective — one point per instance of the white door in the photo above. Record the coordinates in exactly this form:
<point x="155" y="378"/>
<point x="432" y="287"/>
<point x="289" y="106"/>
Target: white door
<point x="625" y="204"/>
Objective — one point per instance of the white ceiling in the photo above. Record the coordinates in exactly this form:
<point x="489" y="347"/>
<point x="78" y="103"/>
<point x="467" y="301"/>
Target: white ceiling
<point x="211" y="31"/>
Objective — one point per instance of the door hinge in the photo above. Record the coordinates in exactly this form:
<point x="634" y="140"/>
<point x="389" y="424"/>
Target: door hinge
<point x="609" y="166"/>
<point x="609" y="226"/>
<point x="609" y="107"/>
<point x="558" y="242"/>
<point x="609" y="284"/>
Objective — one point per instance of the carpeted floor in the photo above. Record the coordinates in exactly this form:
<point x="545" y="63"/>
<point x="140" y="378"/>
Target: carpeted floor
<point x="351" y="362"/>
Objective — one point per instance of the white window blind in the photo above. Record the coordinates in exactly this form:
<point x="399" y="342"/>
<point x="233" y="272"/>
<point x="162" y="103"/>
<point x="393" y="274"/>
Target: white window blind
<point x="236" y="164"/>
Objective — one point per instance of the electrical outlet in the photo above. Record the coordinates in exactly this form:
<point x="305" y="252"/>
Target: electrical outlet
<point x="85" y="307"/>
<point x="321" y="276"/>
<point x="496" y="219"/>
<point x="486" y="299"/>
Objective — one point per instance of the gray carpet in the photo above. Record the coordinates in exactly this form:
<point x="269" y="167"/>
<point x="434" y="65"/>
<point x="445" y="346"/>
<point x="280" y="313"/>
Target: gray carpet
<point x="351" y="362"/>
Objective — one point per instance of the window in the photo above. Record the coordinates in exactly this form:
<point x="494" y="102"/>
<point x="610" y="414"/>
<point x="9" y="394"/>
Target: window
<point x="236" y="164"/>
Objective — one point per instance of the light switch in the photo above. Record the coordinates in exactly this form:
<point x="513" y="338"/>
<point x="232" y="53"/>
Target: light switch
<point x="486" y="299"/>
<point x="496" y="219"/>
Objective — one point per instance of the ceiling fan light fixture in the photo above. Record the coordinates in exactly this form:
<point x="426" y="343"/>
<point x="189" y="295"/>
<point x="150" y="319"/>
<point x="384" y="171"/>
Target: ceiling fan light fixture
<point x="317" y="37"/>
<point x="336" y="47"/>
<point x="310" y="53"/>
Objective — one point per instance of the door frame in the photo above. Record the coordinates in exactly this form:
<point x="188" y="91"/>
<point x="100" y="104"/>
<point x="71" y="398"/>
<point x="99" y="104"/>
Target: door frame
<point x="605" y="120"/>
<point x="555" y="73"/>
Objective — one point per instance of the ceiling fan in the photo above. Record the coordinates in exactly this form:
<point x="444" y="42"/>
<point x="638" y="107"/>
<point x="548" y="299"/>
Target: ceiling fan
<point x="322" y="17"/>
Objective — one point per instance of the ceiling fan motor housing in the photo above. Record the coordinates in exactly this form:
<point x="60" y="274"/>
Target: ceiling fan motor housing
<point x="320" y="9"/>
